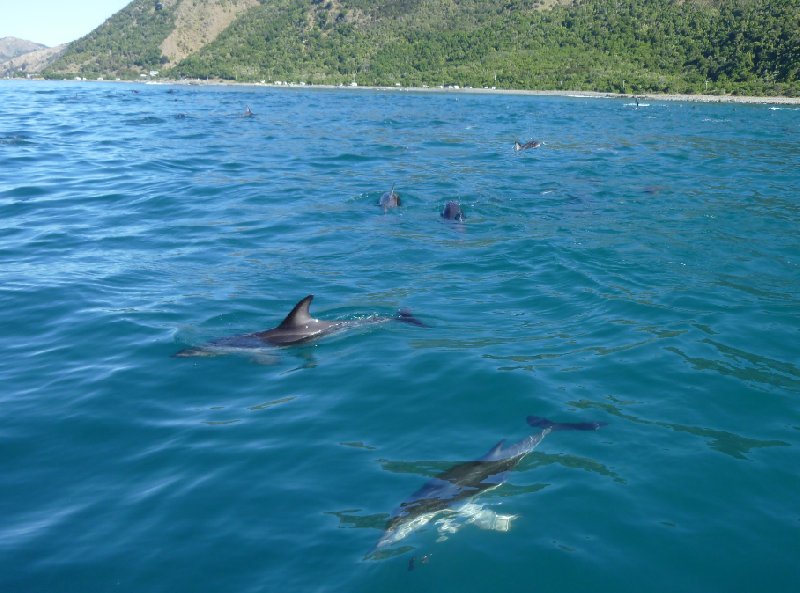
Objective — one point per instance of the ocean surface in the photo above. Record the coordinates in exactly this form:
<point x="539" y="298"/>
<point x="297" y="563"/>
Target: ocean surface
<point x="640" y="269"/>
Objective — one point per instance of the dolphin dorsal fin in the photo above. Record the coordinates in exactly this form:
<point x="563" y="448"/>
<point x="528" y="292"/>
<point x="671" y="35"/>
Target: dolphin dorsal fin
<point x="494" y="452"/>
<point x="299" y="315"/>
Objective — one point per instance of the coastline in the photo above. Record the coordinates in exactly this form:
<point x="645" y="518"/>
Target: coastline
<point x="748" y="99"/>
<point x="743" y="99"/>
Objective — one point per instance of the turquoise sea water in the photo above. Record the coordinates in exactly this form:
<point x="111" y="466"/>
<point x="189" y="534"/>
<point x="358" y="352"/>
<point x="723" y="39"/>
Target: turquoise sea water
<point x="641" y="268"/>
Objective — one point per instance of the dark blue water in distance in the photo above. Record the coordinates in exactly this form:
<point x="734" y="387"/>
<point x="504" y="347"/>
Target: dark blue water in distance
<point x="641" y="269"/>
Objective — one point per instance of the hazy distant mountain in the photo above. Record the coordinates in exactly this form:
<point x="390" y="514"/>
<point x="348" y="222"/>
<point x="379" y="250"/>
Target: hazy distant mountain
<point x="33" y="62"/>
<point x="11" y="47"/>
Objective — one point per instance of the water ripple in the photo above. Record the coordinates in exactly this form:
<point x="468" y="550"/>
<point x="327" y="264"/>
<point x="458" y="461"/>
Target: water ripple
<point x="642" y="268"/>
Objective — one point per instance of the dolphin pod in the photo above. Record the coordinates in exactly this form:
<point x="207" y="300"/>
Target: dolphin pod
<point x="452" y="210"/>
<point x="391" y="199"/>
<point x="298" y="327"/>
<point x="450" y="494"/>
<point x="452" y="490"/>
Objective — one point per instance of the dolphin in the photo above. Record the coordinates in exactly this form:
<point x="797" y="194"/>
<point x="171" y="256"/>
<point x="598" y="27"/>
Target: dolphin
<point x="452" y="211"/>
<point x="452" y="490"/>
<point x="389" y="199"/>
<point x="298" y="327"/>
<point x="527" y="145"/>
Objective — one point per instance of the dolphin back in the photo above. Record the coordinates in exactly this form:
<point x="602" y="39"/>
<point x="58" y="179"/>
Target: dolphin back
<point x="544" y="423"/>
<point x="406" y="316"/>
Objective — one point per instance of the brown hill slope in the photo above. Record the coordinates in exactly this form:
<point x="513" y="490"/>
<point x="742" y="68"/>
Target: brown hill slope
<point x="198" y="24"/>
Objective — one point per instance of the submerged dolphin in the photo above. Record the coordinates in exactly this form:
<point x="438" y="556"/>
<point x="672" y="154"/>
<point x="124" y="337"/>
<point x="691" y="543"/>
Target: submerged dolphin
<point x="527" y="145"/>
<point x="298" y="327"/>
<point x="452" y="211"/>
<point x="454" y="488"/>
<point x="389" y="199"/>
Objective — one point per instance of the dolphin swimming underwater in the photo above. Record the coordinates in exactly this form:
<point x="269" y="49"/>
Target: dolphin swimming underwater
<point x="296" y="328"/>
<point x="452" y="490"/>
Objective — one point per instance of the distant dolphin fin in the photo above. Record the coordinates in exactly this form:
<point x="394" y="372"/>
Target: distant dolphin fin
<point x="544" y="423"/>
<point x="299" y="315"/>
<point x="406" y="316"/>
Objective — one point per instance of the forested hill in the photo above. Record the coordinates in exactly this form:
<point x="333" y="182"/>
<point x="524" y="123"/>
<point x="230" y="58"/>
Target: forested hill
<point x="148" y="35"/>
<point x="722" y="46"/>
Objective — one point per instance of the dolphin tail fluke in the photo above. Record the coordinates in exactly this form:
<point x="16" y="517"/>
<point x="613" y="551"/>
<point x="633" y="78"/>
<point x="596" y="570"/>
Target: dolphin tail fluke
<point x="544" y="423"/>
<point x="406" y="316"/>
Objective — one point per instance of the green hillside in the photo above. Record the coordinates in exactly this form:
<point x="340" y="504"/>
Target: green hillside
<point x="739" y="46"/>
<point x="125" y="45"/>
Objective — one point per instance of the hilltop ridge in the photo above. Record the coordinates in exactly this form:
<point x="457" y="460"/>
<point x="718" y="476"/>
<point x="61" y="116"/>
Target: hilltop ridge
<point x="11" y="47"/>
<point x="19" y="57"/>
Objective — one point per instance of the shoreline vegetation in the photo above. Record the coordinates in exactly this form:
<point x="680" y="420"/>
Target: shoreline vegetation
<point x="677" y="97"/>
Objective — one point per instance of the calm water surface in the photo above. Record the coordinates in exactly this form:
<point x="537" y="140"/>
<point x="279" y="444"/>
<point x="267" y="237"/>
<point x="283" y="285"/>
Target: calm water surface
<point x="641" y="268"/>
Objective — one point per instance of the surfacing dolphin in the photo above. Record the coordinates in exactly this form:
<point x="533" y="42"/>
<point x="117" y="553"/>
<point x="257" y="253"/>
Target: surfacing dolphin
<point x="298" y="327"/>
<point x="452" y="211"/>
<point x="528" y="145"/>
<point x="451" y="491"/>
<point x="389" y="199"/>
